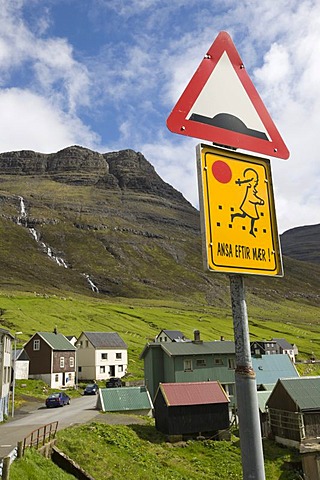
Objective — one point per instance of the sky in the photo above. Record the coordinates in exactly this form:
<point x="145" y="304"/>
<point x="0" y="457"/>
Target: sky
<point x="105" y="74"/>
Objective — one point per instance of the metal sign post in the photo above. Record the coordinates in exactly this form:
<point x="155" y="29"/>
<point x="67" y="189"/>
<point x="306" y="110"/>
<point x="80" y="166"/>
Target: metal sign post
<point x="238" y="225"/>
<point x="240" y="236"/>
<point x="246" y="389"/>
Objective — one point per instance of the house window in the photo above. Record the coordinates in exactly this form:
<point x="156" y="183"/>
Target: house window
<point x="87" y="343"/>
<point x="201" y="362"/>
<point x="104" y="356"/>
<point x="118" y="356"/>
<point x="36" y="344"/>
<point x="69" y="377"/>
<point x="218" y="361"/>
<point x="187" y="365"/>
<point x="231" y="389"/>
<point x="120" y="368"/>
<point x="231" y="363"/>
<point x="79" y="369"/>
<point x="228" y="388"/>
<point x="102" y="369"/>
<point x="56" y="378"/>
<point x="71" y="362"/>
<point x="61" y="362"/>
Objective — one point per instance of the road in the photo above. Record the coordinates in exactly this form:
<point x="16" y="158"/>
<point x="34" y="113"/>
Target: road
<point x="35" y="415"/>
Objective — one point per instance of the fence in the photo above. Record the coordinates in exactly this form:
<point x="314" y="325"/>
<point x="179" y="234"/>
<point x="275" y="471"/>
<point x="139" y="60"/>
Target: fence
<point x="40" y="436"/>
<point x="37" y="438"/>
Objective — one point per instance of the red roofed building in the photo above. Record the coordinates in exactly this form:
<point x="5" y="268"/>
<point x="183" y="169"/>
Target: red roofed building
<point x="191" y="409"/>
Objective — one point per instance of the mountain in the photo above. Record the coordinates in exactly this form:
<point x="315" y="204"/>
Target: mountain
<point x="106" y="224"/>
<point x="302" y="243"/>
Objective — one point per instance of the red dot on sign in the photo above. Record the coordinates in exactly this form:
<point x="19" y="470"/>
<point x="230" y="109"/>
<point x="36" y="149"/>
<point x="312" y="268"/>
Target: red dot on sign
<point x="221" y="171"/>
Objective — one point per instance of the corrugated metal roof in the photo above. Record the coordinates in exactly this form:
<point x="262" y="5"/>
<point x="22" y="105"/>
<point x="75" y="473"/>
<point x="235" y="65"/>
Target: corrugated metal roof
<point x="192" y="393"/>
<point x="269" y="368"/>
<point x="105" y="339"/>
<point x="262" y="400"/>
<point x="125" y="398"/>
<point x="202" y="348"/>
<point x="305" y="391"/>
<point x="57" y="341"/>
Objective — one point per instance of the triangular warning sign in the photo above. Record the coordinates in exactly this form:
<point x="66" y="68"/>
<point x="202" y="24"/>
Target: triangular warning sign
<point x="221" y="105"/>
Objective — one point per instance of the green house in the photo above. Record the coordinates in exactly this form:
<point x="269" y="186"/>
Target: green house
<point x="193" y="361"/>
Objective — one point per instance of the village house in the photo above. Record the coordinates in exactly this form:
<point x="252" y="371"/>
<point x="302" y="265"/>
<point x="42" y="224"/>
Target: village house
<point x="21" y="364"/>
<point x="192" y="409"/>
<point x="171" y="336"/>
<point x="6" y="341"/>
<point x="194" y="361"/>
<point x="101" y="355"/>
<point x="274" y="346"/>
<point x="52" y="358"/>
<point x="294" y="410"/>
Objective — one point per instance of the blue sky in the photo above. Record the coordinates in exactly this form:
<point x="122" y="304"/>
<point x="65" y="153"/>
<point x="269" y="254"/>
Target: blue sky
<point x="105" y="74"/>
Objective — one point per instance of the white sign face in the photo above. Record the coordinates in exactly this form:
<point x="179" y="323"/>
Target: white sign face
<point x="220" y="104"/>
<point x="232" y="98"/>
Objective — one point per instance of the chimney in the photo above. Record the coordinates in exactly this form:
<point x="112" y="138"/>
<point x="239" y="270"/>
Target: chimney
<point x="55" y="330"/>
<point x="222" y="338"/>
<point x="196" y="335"/>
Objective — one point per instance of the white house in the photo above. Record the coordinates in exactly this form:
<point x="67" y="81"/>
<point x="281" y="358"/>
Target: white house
<point x="285" y="347"/>
<point x="6" y="341"/>
<point x="171" y="336"/>
<point x="21" y="363"/>
<point x="101" y="355"/>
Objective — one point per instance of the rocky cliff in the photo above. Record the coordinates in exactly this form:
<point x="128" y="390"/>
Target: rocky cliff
<point x="107" y="224"/>
<point x="81" y="166"/>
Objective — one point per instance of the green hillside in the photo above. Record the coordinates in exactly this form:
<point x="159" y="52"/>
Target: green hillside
<point x="115" y="222"/>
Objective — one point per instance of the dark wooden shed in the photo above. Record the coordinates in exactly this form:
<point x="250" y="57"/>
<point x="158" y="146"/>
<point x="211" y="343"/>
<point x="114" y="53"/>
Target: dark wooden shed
<point x="294" y="410"/>
<point x="191" y="409"/>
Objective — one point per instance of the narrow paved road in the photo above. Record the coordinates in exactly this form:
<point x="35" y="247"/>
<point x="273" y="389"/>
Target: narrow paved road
<point x="80" y="410"/>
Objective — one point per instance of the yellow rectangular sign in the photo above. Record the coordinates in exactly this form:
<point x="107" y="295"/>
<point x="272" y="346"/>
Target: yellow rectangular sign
<point x="238" y="220"/>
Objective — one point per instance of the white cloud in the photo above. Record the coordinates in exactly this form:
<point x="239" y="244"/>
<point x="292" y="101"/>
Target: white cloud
<point x="29" y="122"/>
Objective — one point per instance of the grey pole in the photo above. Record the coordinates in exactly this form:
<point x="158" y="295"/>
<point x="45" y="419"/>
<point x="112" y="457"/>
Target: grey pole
<point x="246" y="393"/>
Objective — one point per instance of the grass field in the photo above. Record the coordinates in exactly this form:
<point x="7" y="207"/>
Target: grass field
<point x="138" y="321"/>
<point x="139" y="451"/>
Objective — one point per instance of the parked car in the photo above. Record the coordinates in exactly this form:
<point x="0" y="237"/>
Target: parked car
<point x="114" y="382"/>
<point x="57" y="399"/>
<point x="91" y="389"/>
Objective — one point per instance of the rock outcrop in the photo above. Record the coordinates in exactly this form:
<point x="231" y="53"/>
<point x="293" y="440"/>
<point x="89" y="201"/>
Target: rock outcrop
<point x="77" y="165"/>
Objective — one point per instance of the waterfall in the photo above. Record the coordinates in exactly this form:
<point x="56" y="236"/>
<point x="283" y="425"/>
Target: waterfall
<point x="23" y="215"/>
<point x="94" y="288"/>
<point x="23" y="220"/>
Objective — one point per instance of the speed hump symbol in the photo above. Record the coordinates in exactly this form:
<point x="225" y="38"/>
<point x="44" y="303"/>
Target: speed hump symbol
<point x="238" y="220"/>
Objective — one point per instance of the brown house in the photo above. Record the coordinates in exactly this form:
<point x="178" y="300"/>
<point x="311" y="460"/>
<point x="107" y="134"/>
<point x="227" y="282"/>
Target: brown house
<point x="191" y="409"/>
<point x="52" y="359"/>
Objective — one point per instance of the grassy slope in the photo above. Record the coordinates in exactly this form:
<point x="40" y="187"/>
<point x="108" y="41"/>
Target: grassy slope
<point x="138" y="321"/>
<point x="139" y="451"/>
<point x="35" y="466"/>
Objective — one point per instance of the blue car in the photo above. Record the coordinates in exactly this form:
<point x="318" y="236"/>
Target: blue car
<point x="91" y="389"/>
<point x="57" y="399"/>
